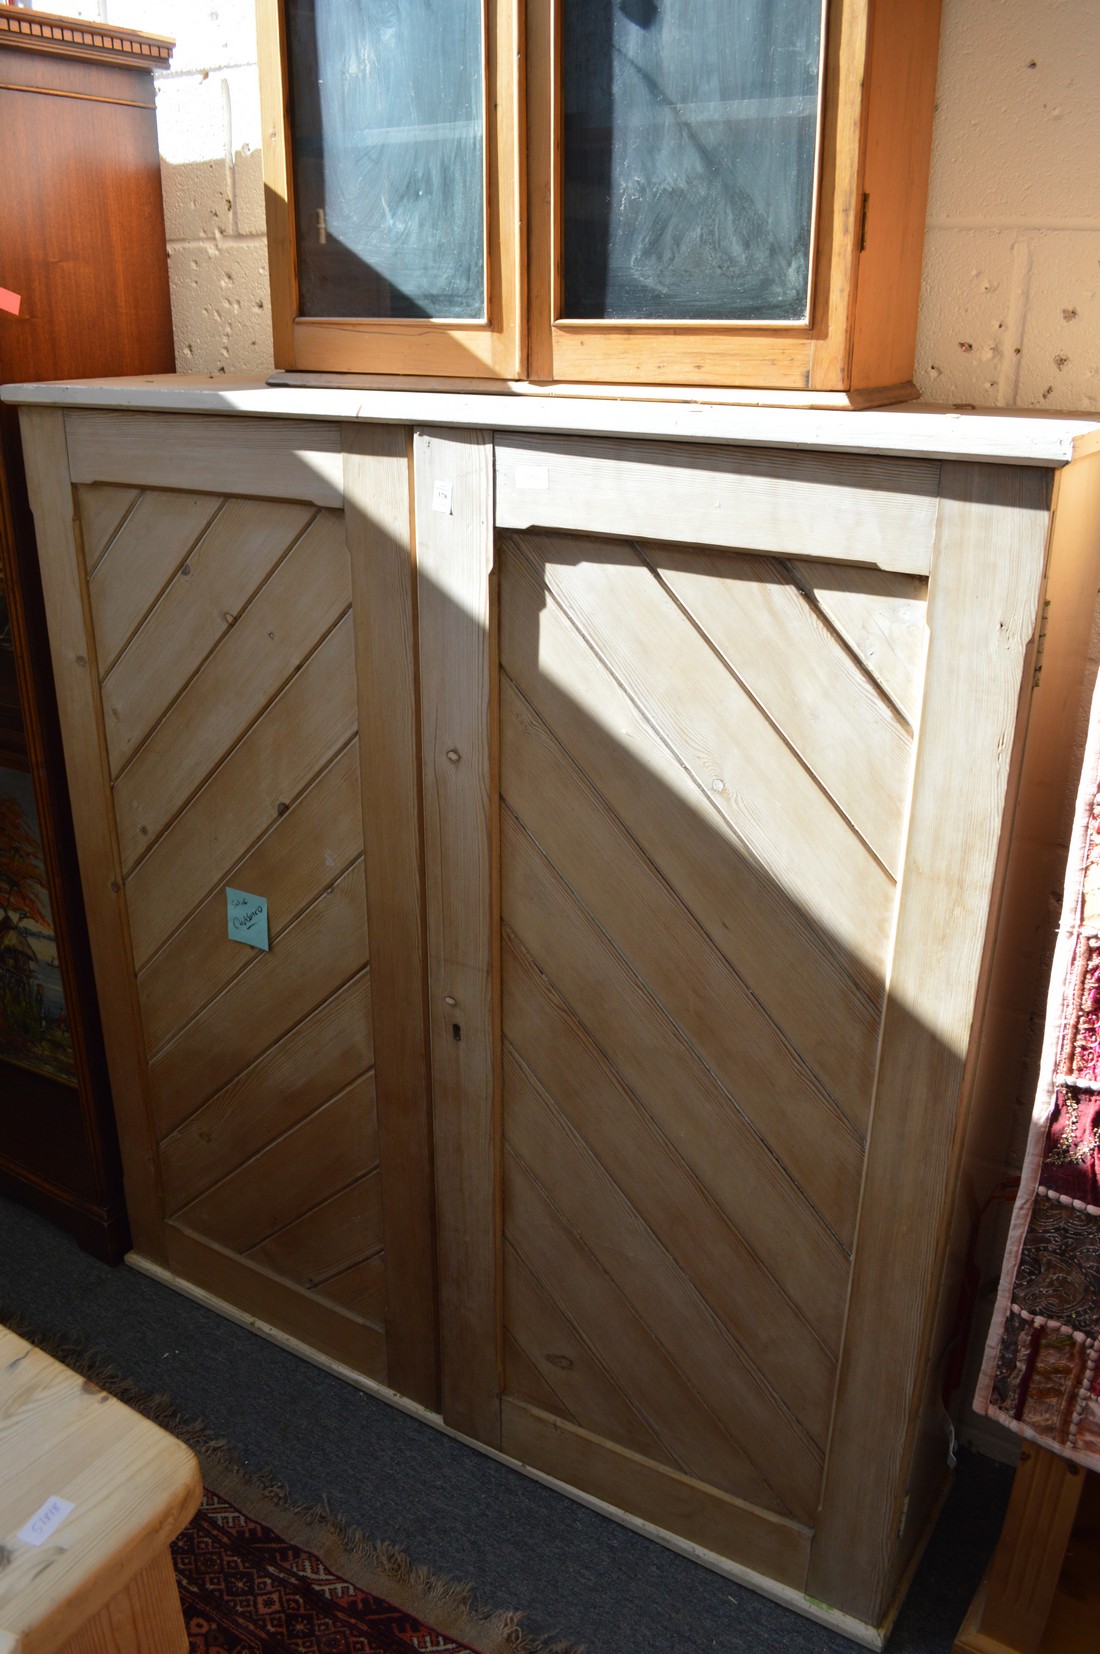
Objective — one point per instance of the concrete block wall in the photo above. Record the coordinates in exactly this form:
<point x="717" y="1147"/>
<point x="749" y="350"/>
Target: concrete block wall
<point x="1010" y="302"/>
<point x="208" y="116"/>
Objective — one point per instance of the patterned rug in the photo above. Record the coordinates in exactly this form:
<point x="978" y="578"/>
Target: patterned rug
<point x="247" y="1590"/>
<point x="1041" y="1374"/>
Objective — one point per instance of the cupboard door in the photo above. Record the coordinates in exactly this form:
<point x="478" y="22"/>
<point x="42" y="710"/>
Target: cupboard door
<point x="743" y="895"/>
<point x="225" y="633"/>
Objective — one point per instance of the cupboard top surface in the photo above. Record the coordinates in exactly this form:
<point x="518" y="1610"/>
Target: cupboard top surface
<point x="999" y="436"/>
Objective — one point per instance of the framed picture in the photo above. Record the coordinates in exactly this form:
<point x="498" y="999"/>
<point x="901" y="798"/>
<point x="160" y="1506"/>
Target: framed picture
<point x="34" y="1021"/>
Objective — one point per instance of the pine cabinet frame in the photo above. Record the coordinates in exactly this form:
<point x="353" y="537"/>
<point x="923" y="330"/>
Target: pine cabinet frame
<point x="856" y="347"/>
<point x="477" y="570"/>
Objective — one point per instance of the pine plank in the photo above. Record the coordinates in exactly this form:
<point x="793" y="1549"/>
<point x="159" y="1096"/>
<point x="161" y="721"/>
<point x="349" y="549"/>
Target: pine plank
<point x="684" y="1285"/>
<point x="314" y="957"/>
<point x="298" y="735"/>
<point x="72" y="645"/>
<point x="314" y="842"/>
<point x="102" y="511"/>
<point x="362" y="1290"/>
<point x="797" y="1257"/>
<point x="458" y="717"/>
<point x="983" y="613"/>
<point x="563" y="1361"/>
<point x="379" y="532"/>
<point x="284" y="459"/>
<point x="524" y="1381"/>
<point x="829" y="711"/>
<point x="772" y="944"/>
<point x="258" y="657"/>
<point x="340" y="1231"/>
<point x="264" y="1296"/>
<point x="337" y="1142"/>
<point x="864" y="510"/>
<point x="692" y="1437"/>
<point x="882" y="619"/>
<point x="667" y="949"/>
<point x="768" y="1544"/>
<point x="316" y="1059"/>
<point x="752" y="781"/>
<point x="202" y="601"/>
<point x="153" y="543"/>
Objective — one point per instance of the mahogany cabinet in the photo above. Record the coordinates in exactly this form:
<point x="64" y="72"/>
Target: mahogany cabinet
<point x="84" y="266"/>
<point x="655" y="811"/>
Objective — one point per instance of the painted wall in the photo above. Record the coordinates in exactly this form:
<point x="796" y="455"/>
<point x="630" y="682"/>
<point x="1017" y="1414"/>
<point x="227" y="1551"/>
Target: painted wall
<point x="1010" y="307"/>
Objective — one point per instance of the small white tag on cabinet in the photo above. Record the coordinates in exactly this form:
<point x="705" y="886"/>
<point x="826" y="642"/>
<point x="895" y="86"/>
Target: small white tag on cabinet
<point x="441" y="497"/>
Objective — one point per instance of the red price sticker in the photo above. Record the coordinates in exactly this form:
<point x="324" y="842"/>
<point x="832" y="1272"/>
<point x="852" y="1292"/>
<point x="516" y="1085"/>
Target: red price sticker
<point x="9" y="301"/>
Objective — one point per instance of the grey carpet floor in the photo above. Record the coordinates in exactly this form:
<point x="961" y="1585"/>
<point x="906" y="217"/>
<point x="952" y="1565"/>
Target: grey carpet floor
<point x="574" y="1573"/>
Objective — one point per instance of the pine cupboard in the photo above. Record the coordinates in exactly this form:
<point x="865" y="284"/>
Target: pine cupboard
<point x="654" y="810"/>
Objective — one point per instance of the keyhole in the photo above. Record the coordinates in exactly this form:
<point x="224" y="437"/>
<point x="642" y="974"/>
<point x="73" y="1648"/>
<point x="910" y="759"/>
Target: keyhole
<point x="456" y="1031"/>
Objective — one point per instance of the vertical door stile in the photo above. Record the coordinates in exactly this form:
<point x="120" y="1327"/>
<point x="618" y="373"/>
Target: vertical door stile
<point x="983" y="606"/>
<point x="378" y="526"/>
<point x="457" y="625"/>
<point x="76" y="674"/>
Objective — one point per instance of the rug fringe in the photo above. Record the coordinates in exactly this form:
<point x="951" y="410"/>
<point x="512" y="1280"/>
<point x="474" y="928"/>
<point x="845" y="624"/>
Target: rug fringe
<point x="377" y="1566"/>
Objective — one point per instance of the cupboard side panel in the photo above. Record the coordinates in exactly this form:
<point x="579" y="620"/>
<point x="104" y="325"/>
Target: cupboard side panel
<point x="984" y="600"/>
<point x="377" y="506"/>
<point x="77" y="678"/>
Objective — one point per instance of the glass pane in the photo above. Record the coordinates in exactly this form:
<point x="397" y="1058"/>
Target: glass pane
<point x="690" y="136"/>
<point x="387" y="112"/>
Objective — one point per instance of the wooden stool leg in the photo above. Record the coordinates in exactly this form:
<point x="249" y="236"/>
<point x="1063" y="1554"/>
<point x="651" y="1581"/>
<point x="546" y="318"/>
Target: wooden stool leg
<point x="146" y="1615"/>
<point x="1011" y="1610"/>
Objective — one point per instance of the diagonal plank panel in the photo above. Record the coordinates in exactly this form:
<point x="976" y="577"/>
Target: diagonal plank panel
<point x="769" y="942"/>
<point x="151" y="545"/>
<point x="336" y="1143"/>
<point x="202" y="600"/>
<point x="663" y="1295"/>
<point x="693" y="1438"/>
<point x="829" y="711"/>
<point x="314" y="957"/>
<point x="742" y="766"/>
<point x="296" y="607"/>
<point x="102" y="509"/>
<point x="882" y="618"/>
<point x="312" y="843"/>
<point x="667" y="949"/>
<point x="683" y="1102"/>
<point x="319" y="1057"/>
<point x="338" y="1233"/>
<point x="361" y="1290"/>
<point x="295" y="739"/>
<point x="523" y="1379"/>
<point x="665" y="1252"/>
<point x="566" y="1366"/>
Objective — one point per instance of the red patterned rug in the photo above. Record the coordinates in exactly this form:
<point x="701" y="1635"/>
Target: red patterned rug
<point x="247" y="1590"/>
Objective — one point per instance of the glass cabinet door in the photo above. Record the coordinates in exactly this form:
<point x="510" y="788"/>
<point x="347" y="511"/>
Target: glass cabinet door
<point x="689" y="151"/>
<point x="388" y="102"/>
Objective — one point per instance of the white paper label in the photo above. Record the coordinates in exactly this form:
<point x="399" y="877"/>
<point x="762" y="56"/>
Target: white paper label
<point x="441" y="497"/>
<point x="532" y="476"/>
<point x="46" y="1521"/>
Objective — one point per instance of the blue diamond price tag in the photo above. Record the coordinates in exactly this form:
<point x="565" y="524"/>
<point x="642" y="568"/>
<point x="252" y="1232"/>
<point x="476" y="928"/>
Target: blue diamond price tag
<point x="247" y="918"/>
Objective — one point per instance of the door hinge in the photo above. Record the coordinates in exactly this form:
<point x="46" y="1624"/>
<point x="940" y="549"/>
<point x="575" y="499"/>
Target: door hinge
<point x="1040" y="643"/>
